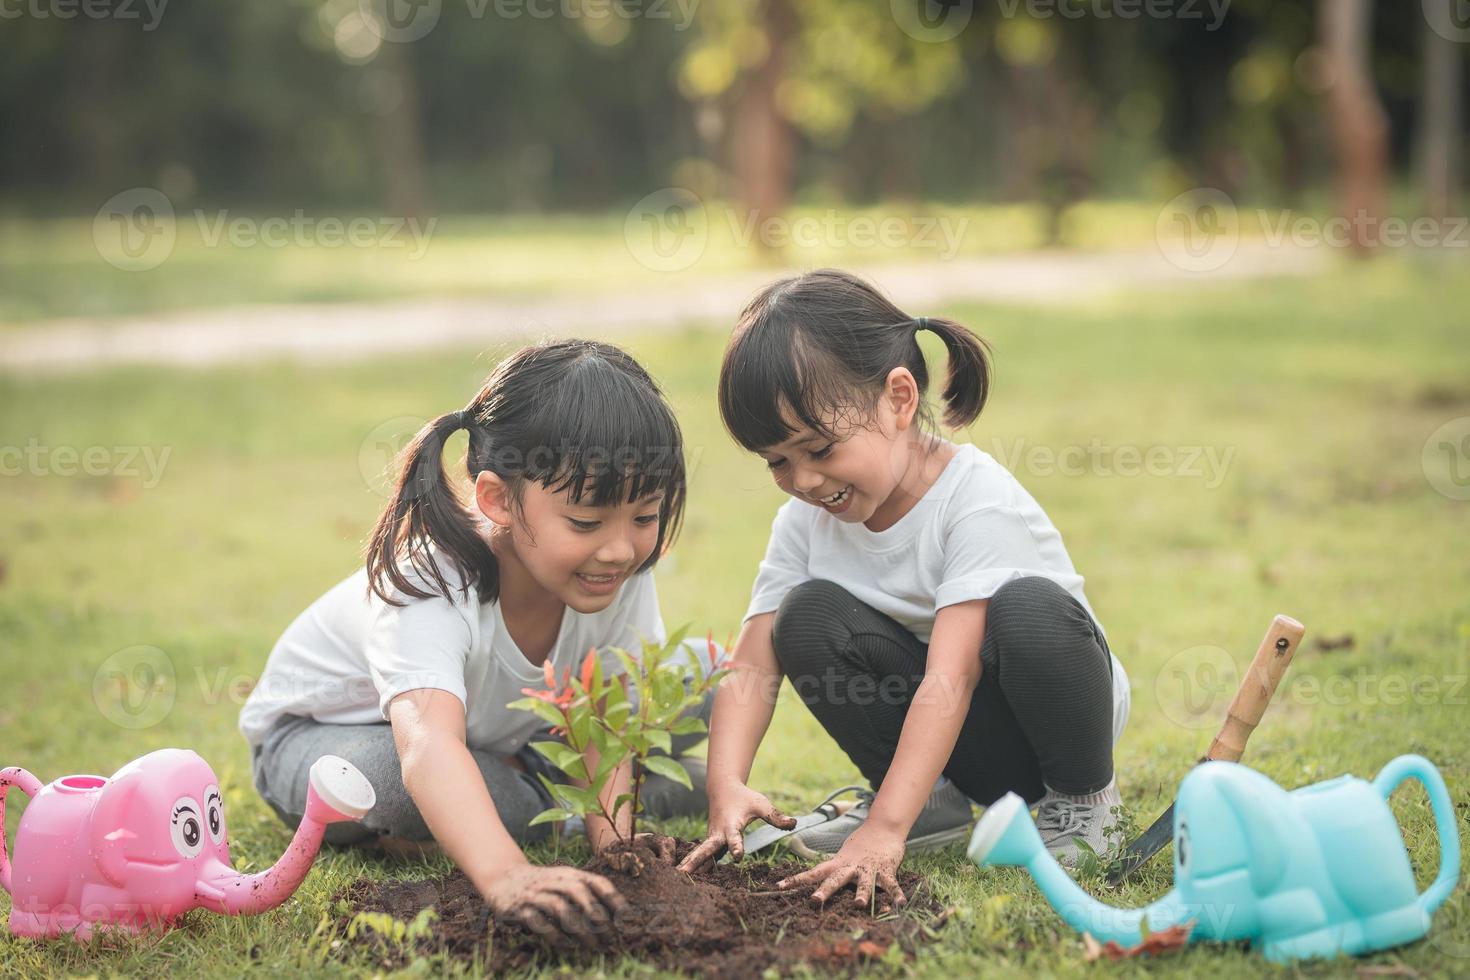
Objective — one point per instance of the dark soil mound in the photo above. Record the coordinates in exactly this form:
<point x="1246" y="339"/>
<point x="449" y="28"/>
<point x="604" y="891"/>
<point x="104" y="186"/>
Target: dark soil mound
<point x="726" y="922"/>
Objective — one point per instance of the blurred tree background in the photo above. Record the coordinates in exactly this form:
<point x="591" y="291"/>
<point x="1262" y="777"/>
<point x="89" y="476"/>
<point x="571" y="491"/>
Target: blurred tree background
<point x="532" y="106"/>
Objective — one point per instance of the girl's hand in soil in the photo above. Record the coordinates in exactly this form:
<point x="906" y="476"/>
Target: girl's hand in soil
<point x="660" y="844"/>
<point x="731" y="807"/>
<point x="869" y="857"/>
<point x="557" y="901"/>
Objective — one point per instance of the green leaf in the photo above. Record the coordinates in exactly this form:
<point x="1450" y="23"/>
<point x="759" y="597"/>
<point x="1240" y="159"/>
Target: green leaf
<point x="545" y="711"/>
<point x="658" y="738"/>
<point x="689" y="726"/>
<point x="580" y="730"/>
<point x="564" y="757"/>
<point x="552" y="816"/>
<point x="667" y="767"/>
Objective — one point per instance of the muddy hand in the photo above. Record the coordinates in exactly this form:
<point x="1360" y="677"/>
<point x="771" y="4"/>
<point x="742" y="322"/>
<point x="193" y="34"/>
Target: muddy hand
<point x="661" y="845"/>
<point x="557" y="902"/>
<point x="868" y="860"/>
<point x="732" y="807"/>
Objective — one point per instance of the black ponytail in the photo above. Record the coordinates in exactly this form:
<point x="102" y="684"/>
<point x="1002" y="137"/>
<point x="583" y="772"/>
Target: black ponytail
<point x="967" y="383"/>
<point x="818" y="344"/>
<point x="574" y="415"/>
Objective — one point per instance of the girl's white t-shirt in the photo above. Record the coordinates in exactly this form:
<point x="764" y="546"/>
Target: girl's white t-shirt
<point x="973" y="530"/>
<point x="350" y="653"/>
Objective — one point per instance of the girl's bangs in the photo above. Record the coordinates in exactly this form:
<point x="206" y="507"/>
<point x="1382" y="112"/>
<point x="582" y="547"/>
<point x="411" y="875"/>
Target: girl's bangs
<point x="771" y="378"/>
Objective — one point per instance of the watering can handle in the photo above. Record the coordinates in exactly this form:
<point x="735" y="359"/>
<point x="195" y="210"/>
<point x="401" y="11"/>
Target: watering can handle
<point x="1420" y="768"/>
<point x="29" y="785"/>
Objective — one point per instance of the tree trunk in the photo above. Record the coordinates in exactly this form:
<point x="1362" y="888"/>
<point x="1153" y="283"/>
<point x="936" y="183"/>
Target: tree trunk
<point x="1356" y="118"/>
<point x="762" y="142"/>
<point x="1439" y="134"/>
<point x="400" y="135"/>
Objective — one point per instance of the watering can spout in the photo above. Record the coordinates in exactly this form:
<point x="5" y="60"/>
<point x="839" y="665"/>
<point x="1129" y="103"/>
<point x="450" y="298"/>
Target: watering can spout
<point x="1006" y="835"/>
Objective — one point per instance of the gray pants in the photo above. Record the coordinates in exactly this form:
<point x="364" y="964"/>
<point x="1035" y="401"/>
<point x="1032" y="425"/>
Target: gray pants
<point x="281" y="763"/>
<point x="1042" y="714"/>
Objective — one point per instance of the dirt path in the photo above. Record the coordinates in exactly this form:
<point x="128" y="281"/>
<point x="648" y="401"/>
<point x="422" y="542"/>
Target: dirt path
<point x="333" y="332"/>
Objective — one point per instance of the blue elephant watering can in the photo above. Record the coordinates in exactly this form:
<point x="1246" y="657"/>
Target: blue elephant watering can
<point x="1314" y="872"/>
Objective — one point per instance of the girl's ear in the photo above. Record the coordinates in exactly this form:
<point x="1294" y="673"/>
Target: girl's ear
<point x="492" y="496"/>
<point x="901" y="392"/>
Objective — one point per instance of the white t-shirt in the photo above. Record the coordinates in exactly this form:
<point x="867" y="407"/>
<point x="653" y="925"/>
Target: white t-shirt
<point x="975" y="529"/>
<point x="349" y="654"/>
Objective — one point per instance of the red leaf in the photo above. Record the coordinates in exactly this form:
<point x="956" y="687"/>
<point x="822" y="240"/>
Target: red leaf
<point x="1163" y="941"/>
<point x="588" y="663"/>
<point x="548" y="673"/>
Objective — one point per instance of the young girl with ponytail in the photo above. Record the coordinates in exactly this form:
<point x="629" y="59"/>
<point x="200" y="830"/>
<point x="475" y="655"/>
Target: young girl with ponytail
<point x="575" y="470"/>
<point x="916" y="596"/>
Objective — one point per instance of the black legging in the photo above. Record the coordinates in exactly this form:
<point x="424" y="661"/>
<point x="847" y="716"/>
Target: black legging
<point x="1042" y="712"/>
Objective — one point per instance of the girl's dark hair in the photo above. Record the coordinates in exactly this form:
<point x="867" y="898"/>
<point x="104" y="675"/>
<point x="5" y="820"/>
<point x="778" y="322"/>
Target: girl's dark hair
<point x="572" y="414"/>
<point x="823" y="343"/>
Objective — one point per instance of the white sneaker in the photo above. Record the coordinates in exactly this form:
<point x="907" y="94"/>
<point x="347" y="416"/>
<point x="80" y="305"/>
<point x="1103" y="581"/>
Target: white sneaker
<point x="946" y="818"/>
<point x="1064" y="820"/>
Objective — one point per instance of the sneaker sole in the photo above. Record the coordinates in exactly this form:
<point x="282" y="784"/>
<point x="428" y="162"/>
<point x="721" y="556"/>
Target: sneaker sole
<point x="914" y="845"/>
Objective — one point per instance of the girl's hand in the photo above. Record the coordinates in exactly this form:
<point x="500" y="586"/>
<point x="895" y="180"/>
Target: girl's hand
<point x="556" y="901"/>
<point x="731" y="807"/>
<point x="869" y="857"/>
<point x="660" y="844"/>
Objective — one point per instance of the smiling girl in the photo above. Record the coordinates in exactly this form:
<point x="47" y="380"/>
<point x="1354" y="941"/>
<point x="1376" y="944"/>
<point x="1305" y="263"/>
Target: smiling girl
<point x="916" y="596"/>
<point x="576" y="488"/>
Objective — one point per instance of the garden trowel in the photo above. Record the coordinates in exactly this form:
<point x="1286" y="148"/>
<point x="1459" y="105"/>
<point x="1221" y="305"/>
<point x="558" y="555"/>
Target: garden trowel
<point x="1255" y="692"/>
<point x="766" y="836"/>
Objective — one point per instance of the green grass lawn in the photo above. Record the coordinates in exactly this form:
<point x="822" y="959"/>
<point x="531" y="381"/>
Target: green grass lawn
<point x="56" y="268"/>
<point x="1314" y="399"/>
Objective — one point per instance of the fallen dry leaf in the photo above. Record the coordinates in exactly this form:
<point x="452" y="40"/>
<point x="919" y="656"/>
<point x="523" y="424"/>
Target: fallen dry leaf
<point x="1390" y="970"/>
<point x="1327" y="644"/>
<point x="1174" y="937"/>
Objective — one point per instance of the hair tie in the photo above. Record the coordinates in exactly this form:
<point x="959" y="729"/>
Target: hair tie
<point x="461" y="419"/>
<point x="921" y="323"/>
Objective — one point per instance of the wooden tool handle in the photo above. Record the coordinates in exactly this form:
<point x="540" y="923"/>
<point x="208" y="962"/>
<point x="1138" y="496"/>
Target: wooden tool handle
<point x="1256" y="688"/>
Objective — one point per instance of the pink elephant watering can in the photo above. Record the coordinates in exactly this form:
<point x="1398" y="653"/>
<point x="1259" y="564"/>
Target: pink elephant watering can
<point x="137" y="851"/>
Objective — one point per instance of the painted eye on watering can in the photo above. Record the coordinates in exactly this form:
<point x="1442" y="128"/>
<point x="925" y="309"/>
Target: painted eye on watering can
<point x="214" y="813"/>
<point x="185" y="828"/>
<point x="1181" y="846"/>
